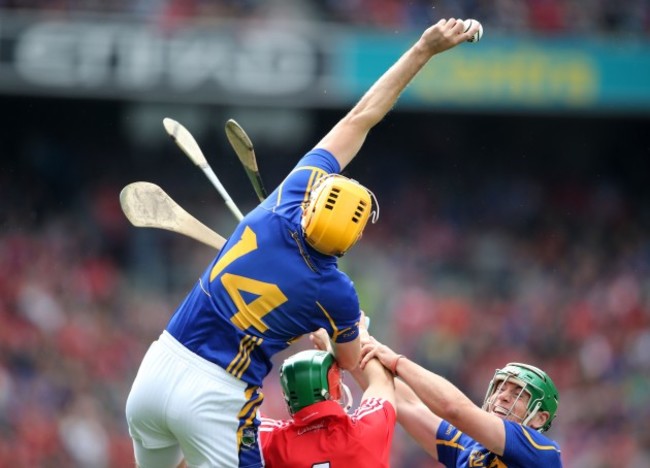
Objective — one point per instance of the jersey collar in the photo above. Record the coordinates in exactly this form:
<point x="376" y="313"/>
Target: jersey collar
<point x="317" y="411"/>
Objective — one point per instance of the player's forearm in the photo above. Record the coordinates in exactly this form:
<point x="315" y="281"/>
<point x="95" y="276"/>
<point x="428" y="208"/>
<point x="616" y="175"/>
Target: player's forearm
<point x="418" y="421"/>
<point x="437" y="393"/>
<point x="376" y="381"/>
<point x="359" y="377"/>
<point x="374" y="373"/>
<point x="382" y="96"/>
<point x="346" y="138"/>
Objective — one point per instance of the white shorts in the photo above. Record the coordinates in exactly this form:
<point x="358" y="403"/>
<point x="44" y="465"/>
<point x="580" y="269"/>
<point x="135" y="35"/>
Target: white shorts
<point x="179" y="399"/>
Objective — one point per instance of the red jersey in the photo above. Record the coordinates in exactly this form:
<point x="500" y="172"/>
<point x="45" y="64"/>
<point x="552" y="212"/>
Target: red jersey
<point x="322" y="435"/>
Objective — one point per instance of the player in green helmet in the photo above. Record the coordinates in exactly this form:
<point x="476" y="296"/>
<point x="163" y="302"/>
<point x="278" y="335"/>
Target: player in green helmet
<point x="536" y="387"/>
<point x="507" y="431"/>
<point x="310" y="377"/>
<point x="320" y="431"/>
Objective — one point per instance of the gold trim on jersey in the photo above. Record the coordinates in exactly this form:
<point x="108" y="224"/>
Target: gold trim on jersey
<point x="535" y="444"/>
<point x="452" y="443"/>
<point x="316" y="174"/>
<point x="242" y="360"/>
<point x="336" y="332"/>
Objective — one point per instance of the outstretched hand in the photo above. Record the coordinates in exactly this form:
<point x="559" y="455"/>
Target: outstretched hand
<point x="445" y="34"/>
<point x="374" y="349"/>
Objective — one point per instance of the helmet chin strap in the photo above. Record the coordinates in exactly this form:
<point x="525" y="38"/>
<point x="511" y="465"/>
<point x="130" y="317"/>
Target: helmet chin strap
<point x="532" y="414"/>
<point x="375" y="212"/>
<point x="347" y="397"/>
<point x="346" y="400"/>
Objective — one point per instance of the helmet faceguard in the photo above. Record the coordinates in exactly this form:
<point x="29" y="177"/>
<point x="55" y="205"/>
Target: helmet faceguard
<point x="533" y="381"/>
<point x="336" y="213"/>
<point x="310" y="377"/>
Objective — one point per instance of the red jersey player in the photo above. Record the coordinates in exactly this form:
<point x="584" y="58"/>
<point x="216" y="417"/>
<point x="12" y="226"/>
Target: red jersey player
<point x="321" y="433"/>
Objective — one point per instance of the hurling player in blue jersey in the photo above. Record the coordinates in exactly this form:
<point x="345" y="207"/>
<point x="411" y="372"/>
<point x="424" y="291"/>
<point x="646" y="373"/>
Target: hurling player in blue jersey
<point x="507" y="431"/>
<point x="197" y="392"/>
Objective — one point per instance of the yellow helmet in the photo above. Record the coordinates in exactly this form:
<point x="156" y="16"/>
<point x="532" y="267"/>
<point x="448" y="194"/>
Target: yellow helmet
<point x="336" y="214"/>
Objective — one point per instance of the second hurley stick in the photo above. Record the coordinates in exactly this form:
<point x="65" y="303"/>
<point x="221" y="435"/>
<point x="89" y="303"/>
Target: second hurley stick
<point x="243" y="147"/>
<point x="190" y="147"/>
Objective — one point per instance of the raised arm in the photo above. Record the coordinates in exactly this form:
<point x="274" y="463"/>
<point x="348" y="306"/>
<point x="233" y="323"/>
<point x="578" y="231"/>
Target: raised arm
<point x="442" y="397"/>
<point x="374" y="379"/>
<point x="346" y="138"/>
<point x="416" y="419"/>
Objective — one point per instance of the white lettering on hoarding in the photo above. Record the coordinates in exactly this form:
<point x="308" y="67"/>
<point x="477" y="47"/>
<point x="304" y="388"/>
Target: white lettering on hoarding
<point x="129" y="57"/>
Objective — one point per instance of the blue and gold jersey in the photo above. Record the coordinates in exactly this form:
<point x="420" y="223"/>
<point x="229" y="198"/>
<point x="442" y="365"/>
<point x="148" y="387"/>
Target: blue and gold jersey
<point x="267" y="287"/>
<point x="525" y="448"/>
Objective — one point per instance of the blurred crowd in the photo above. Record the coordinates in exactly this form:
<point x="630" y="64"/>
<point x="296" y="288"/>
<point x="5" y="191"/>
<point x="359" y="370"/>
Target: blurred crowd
<point x="462" y="281"/>
<point x="574" y="17"/>
<point x="461" y="278"/>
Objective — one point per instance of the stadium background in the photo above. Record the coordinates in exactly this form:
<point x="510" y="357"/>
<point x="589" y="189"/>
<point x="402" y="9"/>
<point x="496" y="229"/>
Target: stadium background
<point x="511" y="228"/>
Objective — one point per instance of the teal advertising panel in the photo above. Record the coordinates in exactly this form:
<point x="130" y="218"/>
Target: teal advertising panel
<point x="507" y="73"/>
<point x="314" y="65"/>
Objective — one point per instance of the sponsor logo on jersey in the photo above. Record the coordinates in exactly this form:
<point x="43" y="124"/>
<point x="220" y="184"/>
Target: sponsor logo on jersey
<point x="313" y="427"/>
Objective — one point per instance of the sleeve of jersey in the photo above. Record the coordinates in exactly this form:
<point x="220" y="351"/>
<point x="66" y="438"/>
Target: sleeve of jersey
<point x="267" y="441"/>
<point x="270" y="424"/>
<point x="321" y="158"/>
<point x="527" y="447"/>
<point x="378" y="417"/>
<point x="340" y="304"/>
<point x="295" y="188"/>
<point x="450" y="443"/>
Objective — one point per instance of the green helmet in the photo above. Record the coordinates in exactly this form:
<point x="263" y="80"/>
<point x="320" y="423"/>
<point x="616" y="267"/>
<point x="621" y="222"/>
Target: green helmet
<point x="309" y="377"/>
<point x="543" y="393"/>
